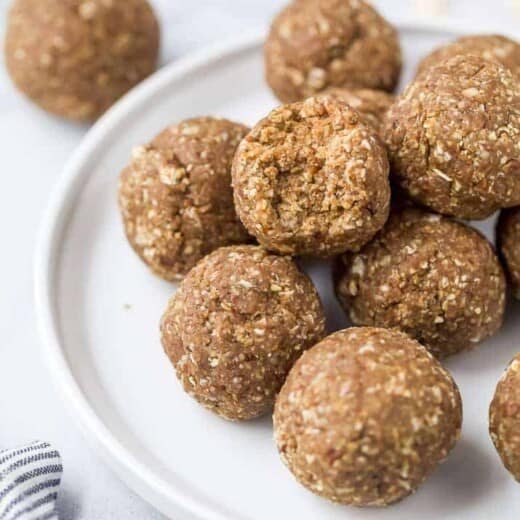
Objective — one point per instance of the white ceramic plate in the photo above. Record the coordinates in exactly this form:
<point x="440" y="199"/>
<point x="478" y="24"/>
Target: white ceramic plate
<point x="99" y="308"/>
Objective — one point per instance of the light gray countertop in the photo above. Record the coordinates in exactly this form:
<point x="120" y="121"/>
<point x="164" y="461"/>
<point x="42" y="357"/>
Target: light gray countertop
<point x="34" y="147"/>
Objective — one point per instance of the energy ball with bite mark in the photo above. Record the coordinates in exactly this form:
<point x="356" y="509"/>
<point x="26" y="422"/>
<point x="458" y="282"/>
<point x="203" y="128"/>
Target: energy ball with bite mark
<point x="508" y="243"/>
<point x="436" y="279"/>
<point x="488" y="46"/>
<point x="315" y="44"/>
<point x="372" y="105"/>
<point x="453" y="138"/>
<point x="504" y="418"/>
<point x="365" y="416"/>
<point x="176" y="198"/>
<point x="75" y="58"/>
<point x="312" y="179"/>
<point x="236" y="326"/>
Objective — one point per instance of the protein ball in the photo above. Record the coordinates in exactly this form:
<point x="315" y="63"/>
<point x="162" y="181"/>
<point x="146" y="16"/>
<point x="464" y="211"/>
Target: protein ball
<point x="365" y="416"/>
<point x="372" y="105"/>
<point x="312" y="179"/>
<point x="453" y="138"/>
<point x="487" y="46"/>
<point x="176" y="198"/>
<point x="236" y="326"/>
<point x="315" y="44"/>
<point x="504" y="418"/>
<point x="508" y="243"/>
<point x="435" y="279"/>
<point x="75" y="58"/>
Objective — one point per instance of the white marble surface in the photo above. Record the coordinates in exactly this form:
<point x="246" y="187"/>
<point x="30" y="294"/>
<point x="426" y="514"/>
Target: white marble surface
<point x="34" y="147"/>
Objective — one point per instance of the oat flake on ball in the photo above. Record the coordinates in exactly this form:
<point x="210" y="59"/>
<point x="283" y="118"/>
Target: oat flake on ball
<point x="315" y="44"/>
<point x="75" y="58"/>
<point x="453" y="138"/>
<point x="508" y="243"/>
<point x="437" y="280"/>
<point x="504" y="418"/>
<point x="365" y="416"/>
<point x="238" y="322"/>
<point x="372" y="105"/>
<point x="488" y="46"/>
<point x="176" y="198"/>
<point x="312" y="179"/>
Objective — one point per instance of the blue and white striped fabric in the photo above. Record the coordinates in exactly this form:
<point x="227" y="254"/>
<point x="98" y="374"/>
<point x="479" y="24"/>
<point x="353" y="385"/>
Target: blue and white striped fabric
<point x="29" y="481"/>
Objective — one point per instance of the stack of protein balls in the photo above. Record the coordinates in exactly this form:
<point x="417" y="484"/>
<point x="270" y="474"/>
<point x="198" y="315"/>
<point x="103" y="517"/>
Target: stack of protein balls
<point x="346" y="171"/>
<point x="364" y="415"/>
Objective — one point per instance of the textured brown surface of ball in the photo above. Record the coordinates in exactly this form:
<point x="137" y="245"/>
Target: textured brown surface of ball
<point x="372" y="105"/>
<point x="453" y="138"/>
<point x="487" y="46"/>
<point x="236" y="326"/>
<point x="312" y="179"/>
<point x="435" y="279"/>
<point x="314" y="44"/>
<point x="75" y="58"/>
<point x="176" y="198"/>
<point x="504" y="418"/>
<point x="365" y="416"/>
<point x="508" y="243"/>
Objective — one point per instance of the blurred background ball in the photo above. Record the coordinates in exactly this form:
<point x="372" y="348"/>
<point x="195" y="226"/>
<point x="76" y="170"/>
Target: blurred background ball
<point x="75" y="58"/>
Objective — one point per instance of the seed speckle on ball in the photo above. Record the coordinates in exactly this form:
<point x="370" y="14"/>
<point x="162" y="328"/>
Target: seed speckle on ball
<point x="365" y="416"/>
<point x="508" y="243"/>
<point x="176" y="198"/>
<point x="504" y="418"/>
<point x="315" y="44"/>
<point x="235" y="327"/>
<point x="312" y="179"/>
<point x="453" y="138"/>
<point x="487" y="46"/>
<point x="436" y="279"/>
<point x="75" y="58"/>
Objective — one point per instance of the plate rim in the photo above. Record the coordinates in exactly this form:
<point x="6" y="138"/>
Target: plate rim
<point x="129" y="469"/>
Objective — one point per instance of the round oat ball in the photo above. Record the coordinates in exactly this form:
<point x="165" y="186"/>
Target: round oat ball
<point x="312" y="179"/>
<point x="235" y="327"/>
<point x="508" y="243"/>
<point x="365" y="416"/>
<point x="435" y="279"/>
<point x="314" y="44"/>
<point x="75" y="58"/>
<point x="372" y="105"/>
<point x="504" y="418"/>
<point x="176" y="198"/>
<point x="453" y="138"/>
<point x="488" y="46"/>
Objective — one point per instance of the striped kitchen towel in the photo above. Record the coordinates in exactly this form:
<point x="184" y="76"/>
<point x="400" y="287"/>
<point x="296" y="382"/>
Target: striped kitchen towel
<point x="29" y="481"/>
